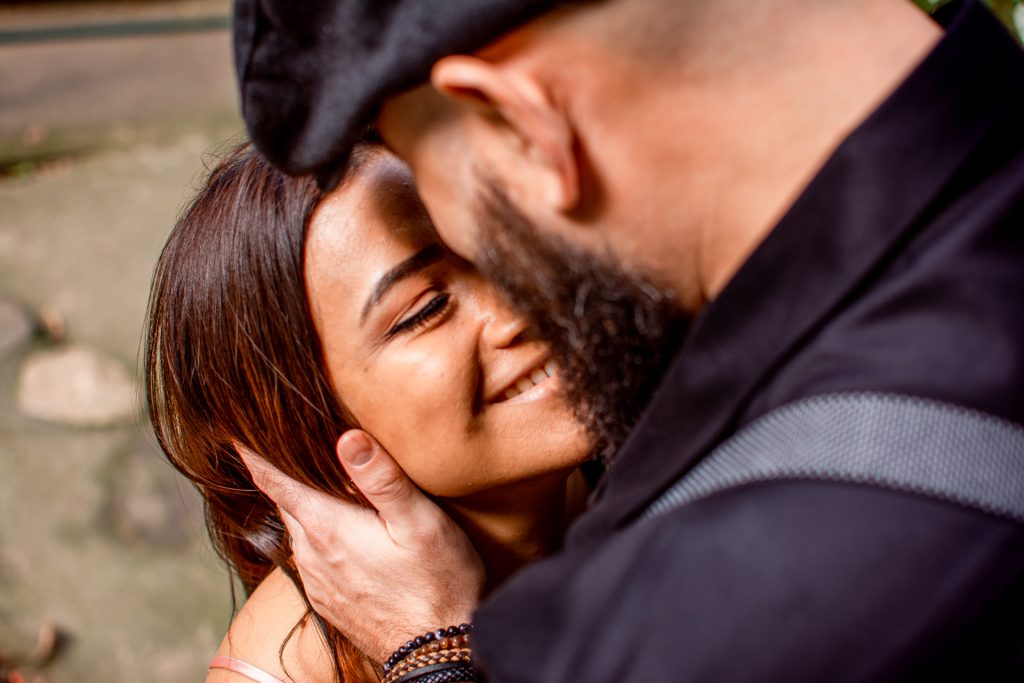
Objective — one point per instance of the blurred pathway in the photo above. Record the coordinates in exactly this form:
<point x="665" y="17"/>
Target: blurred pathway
<point x="101" y="142"/>
<point x="59" y="97"/>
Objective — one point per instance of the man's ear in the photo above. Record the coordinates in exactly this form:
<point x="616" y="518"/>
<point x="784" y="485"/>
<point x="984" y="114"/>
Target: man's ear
<point x="542" y="134"/>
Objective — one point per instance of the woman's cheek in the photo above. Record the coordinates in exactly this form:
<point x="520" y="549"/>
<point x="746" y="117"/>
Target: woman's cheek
<point x="422" y="416"/>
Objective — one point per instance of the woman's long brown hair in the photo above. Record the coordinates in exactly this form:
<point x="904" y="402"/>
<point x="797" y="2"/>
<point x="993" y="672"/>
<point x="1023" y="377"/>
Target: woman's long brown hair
<point x="232" y="357"/>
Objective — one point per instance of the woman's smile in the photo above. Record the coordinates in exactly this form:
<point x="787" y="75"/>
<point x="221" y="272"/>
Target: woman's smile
<point x="537" y="381"/>
<point x="423" y="351"/>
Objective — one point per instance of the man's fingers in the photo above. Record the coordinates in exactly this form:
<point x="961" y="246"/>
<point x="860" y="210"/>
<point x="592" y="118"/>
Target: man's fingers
<point x="406" y="511"/>
<point x="299" y="541"/>
<point x="295" y="529"/>
<point x="374" y="472"/>
<point x="303" y="509"/>
<point x="282" y="489"/>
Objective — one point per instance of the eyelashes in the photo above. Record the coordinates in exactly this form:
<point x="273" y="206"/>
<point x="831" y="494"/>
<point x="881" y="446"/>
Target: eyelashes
<point x="433" y="309"/>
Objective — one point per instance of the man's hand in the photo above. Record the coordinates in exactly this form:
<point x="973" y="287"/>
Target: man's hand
<point x="380" y="576"/>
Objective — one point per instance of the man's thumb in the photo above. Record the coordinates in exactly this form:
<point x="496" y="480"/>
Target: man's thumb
<point x="355" y="448"/>
<point x="379" y="477"/>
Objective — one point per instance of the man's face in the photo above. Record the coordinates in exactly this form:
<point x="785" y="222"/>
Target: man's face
<point x="442" y="163"/>
<point x="611" y="332"/>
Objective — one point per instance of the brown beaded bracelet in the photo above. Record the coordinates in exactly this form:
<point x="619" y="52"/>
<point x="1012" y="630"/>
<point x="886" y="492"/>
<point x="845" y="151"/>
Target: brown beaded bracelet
<point x="441" y="634"/>
<point x="414" y="662"/>
<point x="441" y="656"/>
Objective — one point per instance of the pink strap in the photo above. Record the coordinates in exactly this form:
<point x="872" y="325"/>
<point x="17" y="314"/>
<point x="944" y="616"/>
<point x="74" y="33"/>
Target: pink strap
<point x="244" y="668"/>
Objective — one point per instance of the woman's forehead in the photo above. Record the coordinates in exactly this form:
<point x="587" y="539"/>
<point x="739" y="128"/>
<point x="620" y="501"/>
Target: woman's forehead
<point x="363" y="229"/>
<point x="378" y="203"/>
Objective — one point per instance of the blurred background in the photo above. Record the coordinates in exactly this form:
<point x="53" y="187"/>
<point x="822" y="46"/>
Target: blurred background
<point x="106" y="112"/>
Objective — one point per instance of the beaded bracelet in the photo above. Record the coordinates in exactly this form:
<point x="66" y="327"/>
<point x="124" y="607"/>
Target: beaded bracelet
<point x="414" y="662"/>
<point x="429" y="637"/>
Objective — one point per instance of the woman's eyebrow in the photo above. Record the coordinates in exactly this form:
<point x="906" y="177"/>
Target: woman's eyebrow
<point x="424" y="258"/>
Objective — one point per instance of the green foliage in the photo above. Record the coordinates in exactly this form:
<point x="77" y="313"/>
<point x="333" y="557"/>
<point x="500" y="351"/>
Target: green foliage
<point x="1010" y="11"/>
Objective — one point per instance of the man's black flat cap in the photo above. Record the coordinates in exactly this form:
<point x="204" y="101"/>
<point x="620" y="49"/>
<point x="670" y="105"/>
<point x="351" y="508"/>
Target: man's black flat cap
<point x="313" y="73"/>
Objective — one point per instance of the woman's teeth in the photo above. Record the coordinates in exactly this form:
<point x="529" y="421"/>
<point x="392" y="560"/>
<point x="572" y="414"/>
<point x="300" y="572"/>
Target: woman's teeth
<point x="524" y="384"/>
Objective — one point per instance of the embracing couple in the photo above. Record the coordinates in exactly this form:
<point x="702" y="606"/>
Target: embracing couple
<point x="666" y="340"/>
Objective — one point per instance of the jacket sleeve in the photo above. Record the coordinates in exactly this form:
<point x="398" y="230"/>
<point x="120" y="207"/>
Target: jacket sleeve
<point x="794" y="580"/>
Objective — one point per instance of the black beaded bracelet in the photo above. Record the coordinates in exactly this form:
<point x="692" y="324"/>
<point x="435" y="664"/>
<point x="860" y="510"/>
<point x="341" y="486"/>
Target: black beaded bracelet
<point x="428" y="637"/>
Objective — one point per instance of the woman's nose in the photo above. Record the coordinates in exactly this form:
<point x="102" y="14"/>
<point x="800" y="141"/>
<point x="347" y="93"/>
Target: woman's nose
<point x="502" y="328"/>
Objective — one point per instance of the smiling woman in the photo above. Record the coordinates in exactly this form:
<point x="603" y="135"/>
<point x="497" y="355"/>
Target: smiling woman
<point x="279" y="318"/>
<point x="423" y="351"/>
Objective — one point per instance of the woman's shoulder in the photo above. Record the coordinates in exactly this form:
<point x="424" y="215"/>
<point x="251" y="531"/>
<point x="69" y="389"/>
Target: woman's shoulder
<point x="274" y="633"/>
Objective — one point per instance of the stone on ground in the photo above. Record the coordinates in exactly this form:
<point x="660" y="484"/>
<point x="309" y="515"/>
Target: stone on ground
<point x="76" y="386"/>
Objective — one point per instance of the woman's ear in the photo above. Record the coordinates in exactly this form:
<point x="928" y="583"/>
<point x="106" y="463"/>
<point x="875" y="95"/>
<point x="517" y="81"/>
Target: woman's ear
<point x="529" y="127"/>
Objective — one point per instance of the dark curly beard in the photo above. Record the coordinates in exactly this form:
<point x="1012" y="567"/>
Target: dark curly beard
<point x="611" y="333"/>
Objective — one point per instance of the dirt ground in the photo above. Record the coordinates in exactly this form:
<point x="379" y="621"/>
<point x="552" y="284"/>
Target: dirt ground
<point x="102" y="547"/>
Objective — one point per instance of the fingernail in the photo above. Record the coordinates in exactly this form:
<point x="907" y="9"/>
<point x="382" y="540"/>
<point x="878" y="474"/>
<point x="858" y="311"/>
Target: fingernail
<point x="355" y="449"/>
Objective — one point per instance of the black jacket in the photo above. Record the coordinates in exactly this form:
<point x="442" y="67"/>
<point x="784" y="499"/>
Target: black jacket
<point x="900" y="269"/>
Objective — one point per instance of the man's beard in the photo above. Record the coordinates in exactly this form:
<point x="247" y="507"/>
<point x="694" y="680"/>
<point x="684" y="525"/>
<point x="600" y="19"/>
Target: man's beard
<point x="611" y="333"/>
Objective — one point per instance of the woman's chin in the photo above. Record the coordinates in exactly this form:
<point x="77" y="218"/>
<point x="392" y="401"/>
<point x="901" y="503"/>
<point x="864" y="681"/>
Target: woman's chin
<point x="519" y="463"/>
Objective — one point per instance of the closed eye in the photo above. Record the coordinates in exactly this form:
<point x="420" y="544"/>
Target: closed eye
<point x="431" y="310"/>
